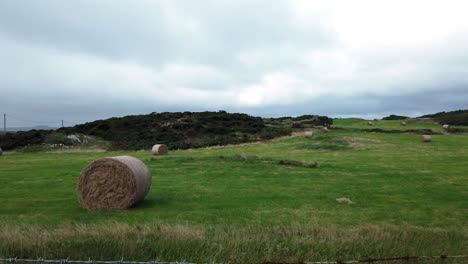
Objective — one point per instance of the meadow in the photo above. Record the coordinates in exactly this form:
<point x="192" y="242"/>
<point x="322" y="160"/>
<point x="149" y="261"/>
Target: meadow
<point x="252" y="202"/>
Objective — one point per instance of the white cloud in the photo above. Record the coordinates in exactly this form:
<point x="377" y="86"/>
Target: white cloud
<point x="275" y="88"/>
<point x="366" y="23"/>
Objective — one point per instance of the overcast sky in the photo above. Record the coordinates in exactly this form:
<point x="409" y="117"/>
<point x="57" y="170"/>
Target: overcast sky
<point x="86" y="60"/>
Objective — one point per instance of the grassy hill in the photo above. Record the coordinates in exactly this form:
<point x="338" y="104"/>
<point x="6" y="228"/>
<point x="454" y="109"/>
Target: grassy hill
<point x="459" y="117"/>
<point x="412" y="123"/>
<point x="225" y="204"/>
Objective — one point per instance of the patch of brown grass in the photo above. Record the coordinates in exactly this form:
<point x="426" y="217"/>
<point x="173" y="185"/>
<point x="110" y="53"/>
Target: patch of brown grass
<point x="115" y="231"/>
<point x="78" y="150"/>
<point x="361" y="143"/>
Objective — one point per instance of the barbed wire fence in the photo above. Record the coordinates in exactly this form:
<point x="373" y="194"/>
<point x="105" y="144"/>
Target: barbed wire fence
<point x="90" y="261"/>
<point x="372" y="260"/>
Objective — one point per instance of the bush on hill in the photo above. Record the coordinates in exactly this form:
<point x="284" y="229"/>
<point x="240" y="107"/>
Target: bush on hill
<point x="394" y="117"/>
<point x="179" y="130"/>
<point x="11" y="141"/>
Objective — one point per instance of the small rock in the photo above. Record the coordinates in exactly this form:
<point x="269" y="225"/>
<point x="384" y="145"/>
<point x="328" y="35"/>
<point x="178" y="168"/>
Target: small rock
<point x="344" y="200"/>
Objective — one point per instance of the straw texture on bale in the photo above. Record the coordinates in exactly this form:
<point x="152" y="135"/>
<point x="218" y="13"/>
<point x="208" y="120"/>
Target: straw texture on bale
<point x="160" y="149"/>
<point x="403" y="123"/>
<point x="114" y="183"/>
<point x="426" y="138"/>
<point x="309" y="134"/>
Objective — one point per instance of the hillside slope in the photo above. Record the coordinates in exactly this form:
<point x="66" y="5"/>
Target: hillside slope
<point x="457" y="118"/>
<point x="179" y="130"/>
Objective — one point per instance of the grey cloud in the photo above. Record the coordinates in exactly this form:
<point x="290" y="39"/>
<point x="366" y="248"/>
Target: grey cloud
<point x="153" y="32"/>
<point x="84" y="60"/>
<point x="113" y="31"/>
<point x="371" y="106"/>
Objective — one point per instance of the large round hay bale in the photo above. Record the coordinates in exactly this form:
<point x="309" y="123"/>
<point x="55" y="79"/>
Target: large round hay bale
<point x="445" y="127"/>
<point x="308" y="134"/>
<point x="403" y="123"/>
<point x="426" y="138"/>
<point x="160" y="149"/>
<point x="370" y="123"/>
<point x="114" y="183"/>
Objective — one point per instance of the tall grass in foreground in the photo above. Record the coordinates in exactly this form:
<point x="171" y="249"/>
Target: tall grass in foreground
<point x="250" y="244"/>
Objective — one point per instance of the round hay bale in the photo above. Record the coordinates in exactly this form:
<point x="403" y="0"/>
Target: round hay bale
<point x="426" y="138"/>
<point x="114" y="183"/>
<point x="445" y="127"/>
<point x="160" y="149"/>
<point x="370" y="123"/>
<point x="403" y="123"/>
<point x="324" y="129"/>
<point x="308" y="134"/>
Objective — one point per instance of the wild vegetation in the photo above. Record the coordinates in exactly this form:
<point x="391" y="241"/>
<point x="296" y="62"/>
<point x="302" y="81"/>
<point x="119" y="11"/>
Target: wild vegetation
<point x="253" y="202"/>
<point x="179" y="130"/>
<point x="299" y="121"/>
<point x="37" y="140"/>
<point x="12" y="140"/>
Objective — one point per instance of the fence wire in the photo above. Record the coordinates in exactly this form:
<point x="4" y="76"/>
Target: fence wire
<point x="90" y="261"/>
<point x="371" y="260"/>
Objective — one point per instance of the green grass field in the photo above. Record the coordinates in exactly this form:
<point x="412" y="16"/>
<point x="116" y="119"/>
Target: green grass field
<point x="250" y="203"/>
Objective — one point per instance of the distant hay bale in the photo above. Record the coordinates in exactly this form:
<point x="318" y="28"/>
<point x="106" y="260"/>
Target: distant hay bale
<point x="370" y="123"/>
<point x="445" y="127"/>
<point x="426" y="138"/>
<point x="160" y="149"/>
<point x="324" y="129"/>
<point x="403" y="123"/>
<point x="114" y="183"/>
<point x="308" y="134"/>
